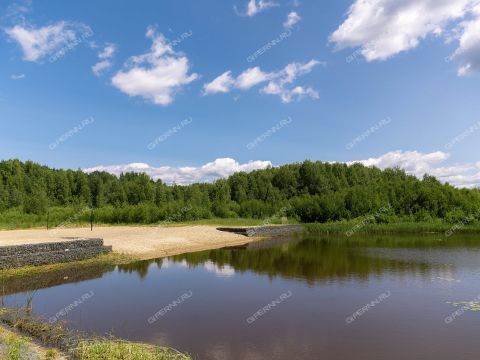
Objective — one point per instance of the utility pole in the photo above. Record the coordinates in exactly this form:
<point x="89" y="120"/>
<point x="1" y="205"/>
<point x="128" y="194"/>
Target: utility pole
<point x="91" y="220"/>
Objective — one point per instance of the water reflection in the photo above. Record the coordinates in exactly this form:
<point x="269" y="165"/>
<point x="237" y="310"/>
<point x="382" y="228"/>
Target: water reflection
<point x="309" y="259"/>
<point x="332" y="258"/>
<point x="329" y="279"/>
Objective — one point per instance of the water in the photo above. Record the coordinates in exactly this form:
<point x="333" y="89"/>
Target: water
<point x="316" y="285"/>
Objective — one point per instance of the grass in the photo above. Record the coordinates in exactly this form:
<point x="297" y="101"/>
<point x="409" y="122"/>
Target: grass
<point x="13" y="346"/>
<point x="78" y="345"/>
<point x="356" y="227"/>
<point x="17" y="347"/>
<point x="119" y="349"/>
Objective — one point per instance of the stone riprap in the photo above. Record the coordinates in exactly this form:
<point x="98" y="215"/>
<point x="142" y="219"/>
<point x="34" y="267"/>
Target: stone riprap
<point x="51" y="253"/>
<point x="264" y="230"/>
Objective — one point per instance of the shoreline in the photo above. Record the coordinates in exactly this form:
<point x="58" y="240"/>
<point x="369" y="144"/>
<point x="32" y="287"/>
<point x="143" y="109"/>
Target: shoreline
<point x="139" y="242"/>
<point x="33" y="338"/>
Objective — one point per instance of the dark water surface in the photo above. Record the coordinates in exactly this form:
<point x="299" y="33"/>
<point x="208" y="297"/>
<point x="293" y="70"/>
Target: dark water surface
<point x="207" y="303"/>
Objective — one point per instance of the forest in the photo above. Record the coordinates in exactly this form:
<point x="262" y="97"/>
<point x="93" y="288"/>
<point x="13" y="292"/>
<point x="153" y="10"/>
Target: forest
<point x="305" y="192"/>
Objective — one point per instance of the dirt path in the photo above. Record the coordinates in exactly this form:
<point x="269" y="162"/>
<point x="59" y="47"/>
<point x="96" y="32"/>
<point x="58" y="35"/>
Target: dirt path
<point x="15" y="346"/>
<point x="140" y="242"/>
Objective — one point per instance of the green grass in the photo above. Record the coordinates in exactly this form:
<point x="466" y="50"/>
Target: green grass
<point x="355" y="227"/>
<point x="119" y="349"/>
<point x="15" y="346"/>
<point x="78" y="345"/>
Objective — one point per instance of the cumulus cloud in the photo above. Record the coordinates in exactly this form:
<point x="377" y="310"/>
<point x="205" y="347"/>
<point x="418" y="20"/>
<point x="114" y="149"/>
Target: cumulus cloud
<point x="37" y="43"/>
<point x="255" y="7"/>
<point x="413" y="162"/>
<point x="277" y="83"/>
<point x="418" y="164"/>
<point x="252" y="77"/>
<point x="385" y="28"/>
<point x="292" y="19"/>
<point x="157" y="75"/>
<point x="220" y="168"/>
<point x="105" y="56"/>
<point x="221" y="84"/>
<point x="468" y="52"/>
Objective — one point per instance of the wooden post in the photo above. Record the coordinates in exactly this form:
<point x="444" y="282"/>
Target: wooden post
<point x="91" y="220"/>
<point x="48" y="214"/>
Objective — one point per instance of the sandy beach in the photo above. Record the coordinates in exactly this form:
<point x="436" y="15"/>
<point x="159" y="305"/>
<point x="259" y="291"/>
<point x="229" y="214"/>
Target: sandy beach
<point x="139" y="242"/>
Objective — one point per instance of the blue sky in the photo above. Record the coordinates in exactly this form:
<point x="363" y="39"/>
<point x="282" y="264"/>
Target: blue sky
<point x="178" y="89"/>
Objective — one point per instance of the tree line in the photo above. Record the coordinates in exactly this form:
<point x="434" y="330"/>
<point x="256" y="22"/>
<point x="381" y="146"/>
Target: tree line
<point x="307" y="191"/>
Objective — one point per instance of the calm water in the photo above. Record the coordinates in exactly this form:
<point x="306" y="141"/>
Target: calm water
<point x="316" y="285"/>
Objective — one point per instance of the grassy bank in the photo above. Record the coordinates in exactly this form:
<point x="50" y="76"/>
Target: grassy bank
<point x="359" y="227"/>
<point x="17" y="347"/>
<point x="119" y="349"/>
<point x="77" y="346"/>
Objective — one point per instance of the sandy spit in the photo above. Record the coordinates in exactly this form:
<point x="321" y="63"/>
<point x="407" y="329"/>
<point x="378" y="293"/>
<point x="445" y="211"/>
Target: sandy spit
<point x="138" y="241"/>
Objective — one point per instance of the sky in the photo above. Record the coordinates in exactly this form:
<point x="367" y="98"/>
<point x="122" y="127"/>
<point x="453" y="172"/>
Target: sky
<point x="189" y="90"/>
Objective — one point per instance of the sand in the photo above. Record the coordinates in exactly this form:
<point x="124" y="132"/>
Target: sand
<point x="139" y="242"/>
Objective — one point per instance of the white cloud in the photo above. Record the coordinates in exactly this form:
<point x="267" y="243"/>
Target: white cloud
<point x="292" y="19"/>
<point x="413" y="162"/>
<point x="221" y="84"/>
<point x="252" y="77"/>
<point x="277" y="82"/>
<point x="37" y="43"/>
<point x="105" y="56"/>
<point x="255" y="7"/>
<point x="157" y="75"/>
<point x="17" y="76"/>
<point x="418" y="164"/>
<point x="220" y="168"/>
<point x="468" y="52"/>
<point x="277" y="86"/>
<point x="385" y="28"/>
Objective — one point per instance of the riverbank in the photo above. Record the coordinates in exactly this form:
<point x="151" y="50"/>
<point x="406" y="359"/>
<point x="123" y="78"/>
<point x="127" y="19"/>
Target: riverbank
<point x="139" y="242"/>
<point x="15" y="346"/>
<point x="44" y="341"/>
